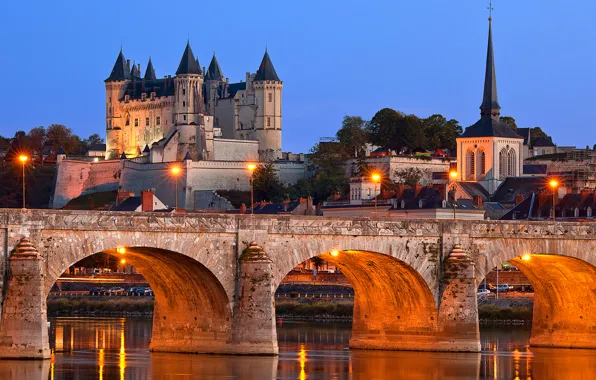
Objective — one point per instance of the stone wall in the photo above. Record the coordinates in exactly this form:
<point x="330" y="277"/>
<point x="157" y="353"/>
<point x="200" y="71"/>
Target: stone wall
<point x="290" y="172"/>
<point x="73" y="178"/>
<point x="390" y="164"/>
<point x="236" y="150"/>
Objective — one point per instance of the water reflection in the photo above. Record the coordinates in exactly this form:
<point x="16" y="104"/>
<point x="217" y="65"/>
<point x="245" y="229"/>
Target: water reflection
<point x="118" y="349"/>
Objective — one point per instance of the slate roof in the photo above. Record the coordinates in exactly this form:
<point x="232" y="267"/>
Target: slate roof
<point x="188" y="64"/>
<point x="536" y="169"/>
<point x="129" y="204"/>
<point x="233" y="88"/>
<point x="473" y="189"/>
<point x="147" y="149"/>
<point x="97" y="147"/>
<point x="276" y="208"/>
<point x="135" y="73"/>
<point x="135" y="88"/>
<point x="214" y="71"/>
<point x="518" y="185"/>
<point x="266" y="70"/>
<point x="120" y="69"/>
<point x="525" y="133"/>
<point x="544" y="141"/>
<point x="486" y="126"/>
<point x="150" y="72"/>
<point x="540" y="206"/>
<point x="490" y="99"/>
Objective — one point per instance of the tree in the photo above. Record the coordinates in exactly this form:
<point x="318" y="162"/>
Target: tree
<point x="396" y="131"/>
<point x="510" y="121"/>
<point x="536" y="134"/>
<point x="317" y="262"/>
<point x="410" y="176"/>
<point x="352" y="136"/>
<point x="266" y="184"/>
<point x="36" y="142"/>
<point x="93" y="139"/>
<point x="440" y="132"/>
<point x="60" y="136"/>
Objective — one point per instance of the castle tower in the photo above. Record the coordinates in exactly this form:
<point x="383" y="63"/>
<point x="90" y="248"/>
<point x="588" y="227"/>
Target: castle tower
<point x="268" y="93"/>
<point x="116" y="84"/>
<point x="489" y="151"/>
<point x="213" y="79"/>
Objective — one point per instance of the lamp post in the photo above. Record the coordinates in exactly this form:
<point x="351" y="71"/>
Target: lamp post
<point x="175" y="170"/>
<point x="376" y="178"/>
<point x="453" y="176"/>
<point x="554" y="184"/>
<point x="23" y="160"/>
<point x="251" y="168"/>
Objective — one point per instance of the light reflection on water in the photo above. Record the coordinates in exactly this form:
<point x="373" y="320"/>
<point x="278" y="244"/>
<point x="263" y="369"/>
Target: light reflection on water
<point x="117" y="348"/>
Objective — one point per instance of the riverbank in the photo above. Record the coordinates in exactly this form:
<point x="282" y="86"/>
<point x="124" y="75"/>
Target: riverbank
<point x="489" y="313"/>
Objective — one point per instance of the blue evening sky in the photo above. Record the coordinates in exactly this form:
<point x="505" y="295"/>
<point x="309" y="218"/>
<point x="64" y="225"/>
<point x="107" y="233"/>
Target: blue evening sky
<point x="336" y="58"/>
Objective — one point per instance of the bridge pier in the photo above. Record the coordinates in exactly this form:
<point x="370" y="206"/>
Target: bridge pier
<point x="23" y="327"/>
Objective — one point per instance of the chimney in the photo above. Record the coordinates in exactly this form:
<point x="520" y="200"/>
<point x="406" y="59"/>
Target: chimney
<point x="399" y="191"/>
<point x="417" y="189"/>
<point x="519" y="198"/>
<point x="478" y="200"/>
<point x="146" y="200"/>
<point x="336" y="197"/>
<point x="139" y="68"/>
<point x="309" y="202"/>
<point x="165" y="82"/>
<point x="243" y="208"/>
<point x="302" y="200"/>
<point x="128" y="64"/>
<point x="204" y="71"/>
<point x="123" y="194"/>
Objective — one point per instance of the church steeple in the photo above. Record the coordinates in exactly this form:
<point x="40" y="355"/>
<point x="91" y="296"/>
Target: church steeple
<point x="490" y="103"/>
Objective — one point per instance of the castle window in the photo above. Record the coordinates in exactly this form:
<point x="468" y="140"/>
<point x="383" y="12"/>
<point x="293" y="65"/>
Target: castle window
<point x="136" y="122"/>
<point x="126" y="98"/>
<point x="183" y="104"/>
<point x="110" y="99"/>
<point x="268" y="121"/>
<point x="127" y="121"/>
<point x="147" y="121"/>
<point x="158" y="120"/>
<point x="184" y="117"/>
<point x="183" y="91"/>
<point x="270" y="96"/>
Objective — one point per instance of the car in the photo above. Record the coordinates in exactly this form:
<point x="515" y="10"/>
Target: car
<point x="148" y="292"/>
<point x="96" y="291"/>
<point x="502" y="288"/>
<point x="116" y="291"/>
<point x="483" y="286"/>
<point x="483" y="292"/>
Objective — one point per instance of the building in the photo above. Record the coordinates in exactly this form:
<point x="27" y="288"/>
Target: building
<point x="199" y="103"/>
<point x="489" y="151"/>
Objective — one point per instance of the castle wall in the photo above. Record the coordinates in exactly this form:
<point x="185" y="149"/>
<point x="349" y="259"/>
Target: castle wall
<point x="289" y="173"/>
<point x="143" y="128"/>
<point x="75" y="177"/>
<point x="224" y="114"/>
<point x="235" y="150"/>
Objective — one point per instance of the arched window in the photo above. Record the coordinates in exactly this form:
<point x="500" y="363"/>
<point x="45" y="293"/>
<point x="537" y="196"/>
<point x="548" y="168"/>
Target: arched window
<point x="503" y="163"/>
<point x="481" y="158"/>
<point x="511" y="163"/>
<point x="470" y="163"/>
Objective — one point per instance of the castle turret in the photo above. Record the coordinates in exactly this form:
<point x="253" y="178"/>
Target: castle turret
<point x="188" y="87"/>
<point x="150" y="71"/>
<point x="268" y="93"/>
<point x="213" y="80"/>
<point x="116" y="85"/>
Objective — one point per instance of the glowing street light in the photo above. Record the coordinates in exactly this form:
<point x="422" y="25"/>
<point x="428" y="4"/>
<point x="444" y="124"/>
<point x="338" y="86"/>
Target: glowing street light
<point x="527" y="257"/>
<point x="175" y="170"/>
<point x="453" y="176"/>
<point x="251" y="168"/>
<point x="121" y="250"/>
<point x="123" y="261"/>
<point x="554" y="184"/>
<point x="23" y="160"/>
<point x="376" y="178"/>
<point x="334" y="253"/>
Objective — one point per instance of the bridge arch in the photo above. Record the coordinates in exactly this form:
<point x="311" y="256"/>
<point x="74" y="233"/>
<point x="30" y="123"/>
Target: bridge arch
<point x="193" y="308"/>
<point x="394" y="306"/>
<point x="563" y="274"/>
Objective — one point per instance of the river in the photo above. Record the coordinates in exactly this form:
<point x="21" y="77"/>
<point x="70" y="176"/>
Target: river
<point x="117" y="348"/>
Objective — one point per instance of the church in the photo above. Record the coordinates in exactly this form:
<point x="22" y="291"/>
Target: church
<point x="143" y="111"/>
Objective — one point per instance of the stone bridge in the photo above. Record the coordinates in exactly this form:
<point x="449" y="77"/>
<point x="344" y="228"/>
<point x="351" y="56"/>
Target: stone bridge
<point x="415" y="281"/>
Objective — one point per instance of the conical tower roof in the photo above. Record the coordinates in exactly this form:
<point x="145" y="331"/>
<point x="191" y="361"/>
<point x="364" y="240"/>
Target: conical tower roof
<point x="188" y="64"/>
<point x="266" y="70"/>
<point x="490" y="101"/>
<point x="134" y="72"/>
<point x="150" y="71"/>
<point x="120" y="70"/>
<point x="214" y="71"/>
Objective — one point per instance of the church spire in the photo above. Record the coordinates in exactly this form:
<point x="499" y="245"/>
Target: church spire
<point x="490" y="103"/>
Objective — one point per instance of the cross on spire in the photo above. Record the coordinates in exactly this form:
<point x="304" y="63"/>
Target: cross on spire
<point x="490" y="10"/>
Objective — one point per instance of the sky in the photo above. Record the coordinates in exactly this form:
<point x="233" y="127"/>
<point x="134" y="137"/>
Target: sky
<point x="335" y="57"/>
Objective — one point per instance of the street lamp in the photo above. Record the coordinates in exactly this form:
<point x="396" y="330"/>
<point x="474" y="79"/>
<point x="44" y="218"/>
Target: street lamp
<point x="251" y="168"/>
<point x="23" y="160"/>
<point x="334" y="253"/>
<point x="453" y="176"/>
<point x="175" y="170"/>
<point x="554" y="184"/>
<point x="376" y="178"/>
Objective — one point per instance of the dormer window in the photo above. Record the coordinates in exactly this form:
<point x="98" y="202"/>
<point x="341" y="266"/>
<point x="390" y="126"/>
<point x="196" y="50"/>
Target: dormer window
<point x="420" y="203"/>
<point x="576" y="212"/>
<point x="143" y="97"/>
<point x="126" y="98"/>
<point x="403" y="204"/>
<point x="589" y="211"/>
<point x="153" y="96"/>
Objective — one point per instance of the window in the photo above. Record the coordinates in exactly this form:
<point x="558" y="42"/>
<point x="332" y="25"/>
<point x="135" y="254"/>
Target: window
<point x="110" y="99"/>
<point x="147" y="121"/>
<point x="143" y="96"/>
<point x="481" y="162"/>
<point x="127" y="121"/>
<point x="184" y="117"/>
<point x="576" y="212"/>
<point x="511" y="163"/>
<point x="158" y="120"/>
<point x="126" y="98"/>
<point x="589" y="211"/>
<point x="503" y="163"/>
<point x="268" y="121"/>
<point x="136" y="122"/>
<point x="183" y="104"/>
<point x="270" y="97"/>
<point x="470" y="163"/>
<point x="183" y="91"/>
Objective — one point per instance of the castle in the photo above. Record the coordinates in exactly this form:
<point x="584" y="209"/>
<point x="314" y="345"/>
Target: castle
<point x="198" y="103"/>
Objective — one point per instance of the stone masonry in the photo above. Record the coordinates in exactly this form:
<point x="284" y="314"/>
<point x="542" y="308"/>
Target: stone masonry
<point x="215" y="275"/>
